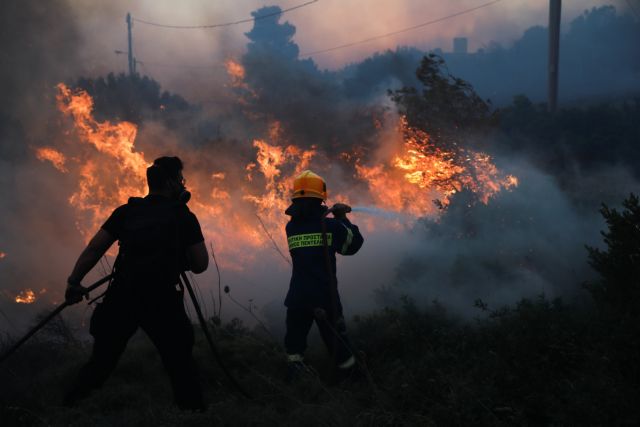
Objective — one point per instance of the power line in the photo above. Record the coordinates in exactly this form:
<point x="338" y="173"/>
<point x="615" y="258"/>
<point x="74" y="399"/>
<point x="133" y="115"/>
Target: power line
<point x="171" y="65"/>
<point x="226" y="24"/>
<point x="214" y="66"/>
<point x="633" y="9"/>
<point x="404" y="30"/>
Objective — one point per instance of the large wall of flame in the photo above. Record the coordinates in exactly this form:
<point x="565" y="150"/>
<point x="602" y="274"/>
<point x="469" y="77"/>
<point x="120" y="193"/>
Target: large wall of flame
<point x="57" y="186"/>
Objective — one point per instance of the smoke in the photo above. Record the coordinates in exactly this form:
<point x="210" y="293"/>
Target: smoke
<point x="39" y="43"/>
<point x="309" y="103"/>
<point x="525" y="241"/>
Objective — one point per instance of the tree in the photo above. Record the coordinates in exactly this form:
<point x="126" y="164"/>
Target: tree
<point x="452" y="114"/>
<point x="619" y="264"/>
<point x="270" y="37"/>
<point x="131" y="98"/>
<point x="279" y="86"/>
<point x="447" y="107"/>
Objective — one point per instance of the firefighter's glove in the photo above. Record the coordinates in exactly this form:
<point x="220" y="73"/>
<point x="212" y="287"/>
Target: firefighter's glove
<point x="74" y="293"/>
<point x="340" y="210"/>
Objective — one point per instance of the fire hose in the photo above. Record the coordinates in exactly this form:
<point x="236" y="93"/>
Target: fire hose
<point x="203" y="324"/>
<point x="107" y="278"/>
<point x="185" y="282"/>
<point x="338" y="210"/>
<point x="47" y="319"/>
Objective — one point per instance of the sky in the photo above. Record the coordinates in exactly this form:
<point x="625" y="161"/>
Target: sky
<point x="176" y="57"/>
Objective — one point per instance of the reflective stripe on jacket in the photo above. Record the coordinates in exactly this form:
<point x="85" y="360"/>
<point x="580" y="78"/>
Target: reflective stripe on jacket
<point x="310" y="281"/>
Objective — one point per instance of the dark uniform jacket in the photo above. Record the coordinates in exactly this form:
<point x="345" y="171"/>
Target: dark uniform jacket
<point x="153" y="234"/>
<point x="311" y="283"/>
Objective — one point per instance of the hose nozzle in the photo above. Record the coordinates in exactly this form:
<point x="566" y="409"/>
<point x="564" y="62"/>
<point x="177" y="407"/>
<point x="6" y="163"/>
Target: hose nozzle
<point x="339" y="210"/>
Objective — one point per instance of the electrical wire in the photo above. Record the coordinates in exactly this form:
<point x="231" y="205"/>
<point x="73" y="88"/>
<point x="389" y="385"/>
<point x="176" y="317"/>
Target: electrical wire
<point x="168" y="65"/>
<point x="404" y="30"/>
<point x="633" y="9"/>
<point x="226" y="24"/>
<point x="317" y="52"/>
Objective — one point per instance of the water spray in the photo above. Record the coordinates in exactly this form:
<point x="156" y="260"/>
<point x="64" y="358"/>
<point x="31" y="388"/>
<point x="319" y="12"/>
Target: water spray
<point x="382" y="213"/>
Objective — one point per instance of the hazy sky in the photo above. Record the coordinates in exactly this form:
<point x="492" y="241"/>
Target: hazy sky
<point x="324" y="24"/>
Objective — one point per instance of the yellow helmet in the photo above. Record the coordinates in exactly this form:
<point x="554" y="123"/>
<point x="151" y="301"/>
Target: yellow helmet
<point x="309" y="184"/>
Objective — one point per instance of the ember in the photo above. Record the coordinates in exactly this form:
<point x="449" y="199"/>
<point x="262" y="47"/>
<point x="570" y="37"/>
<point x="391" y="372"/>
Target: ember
<point x="26" y="296"/>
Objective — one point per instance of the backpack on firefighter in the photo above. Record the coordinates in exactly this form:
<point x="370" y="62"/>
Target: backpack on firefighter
<point x="150" y="247"/>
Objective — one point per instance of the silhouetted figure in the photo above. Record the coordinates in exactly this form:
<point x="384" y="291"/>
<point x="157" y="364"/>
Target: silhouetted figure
<point x="313" y="291"/>
<point x="159" y="237"/>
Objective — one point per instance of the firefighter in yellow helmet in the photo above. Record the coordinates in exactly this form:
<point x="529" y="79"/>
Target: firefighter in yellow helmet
<point x="314" y="239"/>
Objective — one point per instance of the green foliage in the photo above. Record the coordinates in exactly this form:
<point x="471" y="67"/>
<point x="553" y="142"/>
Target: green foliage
<point x="619" y="264"/>
<point x="269" y="36"/>
<point x="452" y="115"/>
<point x="617" y="292"/>
<point x="131" y="98"/>
<point x="446" y="106"/>
<point x="591" y="136"/>
<point x="538" y="362"/>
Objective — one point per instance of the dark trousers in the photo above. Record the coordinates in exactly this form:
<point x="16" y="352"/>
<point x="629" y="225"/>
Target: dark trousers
<point x="332" y="330"/>
<point x="164" y="320"/>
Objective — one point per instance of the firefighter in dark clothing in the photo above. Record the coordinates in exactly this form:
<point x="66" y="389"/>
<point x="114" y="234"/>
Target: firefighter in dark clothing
<point x="313" y="242"/>
<point x="159" y="238"/>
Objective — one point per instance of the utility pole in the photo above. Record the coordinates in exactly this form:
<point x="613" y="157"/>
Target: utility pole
<point x="132" y="66"/>
<point x="555" y="8"/>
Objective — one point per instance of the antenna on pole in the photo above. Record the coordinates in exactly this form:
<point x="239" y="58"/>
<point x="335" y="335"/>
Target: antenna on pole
<point x="555" y="8"/>
<point x="132" y="65"/>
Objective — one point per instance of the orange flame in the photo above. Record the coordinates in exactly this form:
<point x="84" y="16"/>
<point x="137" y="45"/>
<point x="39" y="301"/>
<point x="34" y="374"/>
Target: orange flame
<point x="236" y="72"/>
<point x="115" y="160"/>
<point x="116" y="140"/>
<point x="26" y="296"/>
<point x="270" y="159"/>
<point x="406" y="177"/>
<point x="54" y="156"/>
<point x="2" y="255"/>
<point x="420" y="173"/>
